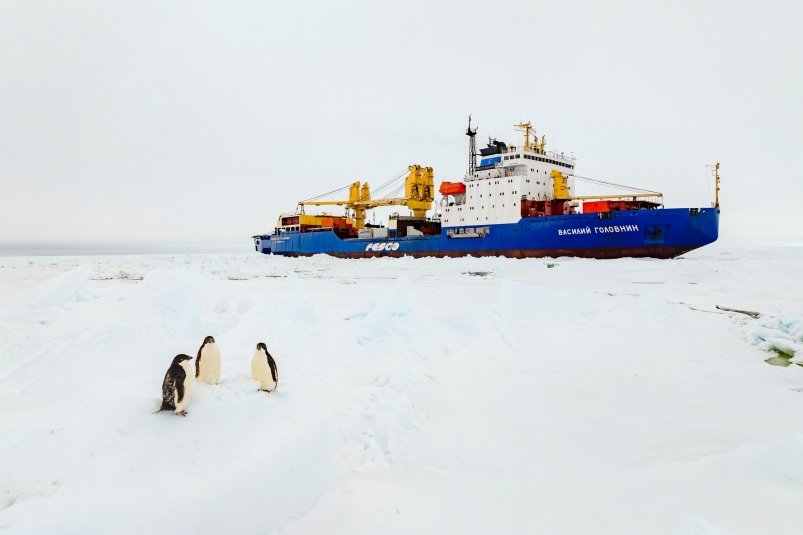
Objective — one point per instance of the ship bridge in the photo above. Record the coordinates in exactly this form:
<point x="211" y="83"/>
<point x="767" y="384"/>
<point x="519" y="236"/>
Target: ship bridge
<point x="506" y="176"/>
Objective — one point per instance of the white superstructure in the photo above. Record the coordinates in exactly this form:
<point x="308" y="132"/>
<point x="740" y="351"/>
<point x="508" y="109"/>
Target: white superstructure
<point x="505" y="176"/>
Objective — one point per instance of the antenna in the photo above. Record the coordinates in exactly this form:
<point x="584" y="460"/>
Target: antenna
<point x="716" y="179"/>
<point x="472" y="147"/>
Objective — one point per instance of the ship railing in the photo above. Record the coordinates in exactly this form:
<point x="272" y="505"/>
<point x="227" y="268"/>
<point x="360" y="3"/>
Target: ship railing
<point x="548" y="153"/>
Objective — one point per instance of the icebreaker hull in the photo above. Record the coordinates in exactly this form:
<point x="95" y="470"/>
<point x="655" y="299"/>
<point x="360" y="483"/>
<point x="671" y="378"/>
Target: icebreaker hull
<point x="655" y="233"/>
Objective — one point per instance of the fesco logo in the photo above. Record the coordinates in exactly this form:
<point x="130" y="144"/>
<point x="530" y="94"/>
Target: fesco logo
<point x="382" y="246"/>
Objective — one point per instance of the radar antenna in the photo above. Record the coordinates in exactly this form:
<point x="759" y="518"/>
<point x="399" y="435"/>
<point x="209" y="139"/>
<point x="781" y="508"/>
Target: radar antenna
<point x="472" y="147"/>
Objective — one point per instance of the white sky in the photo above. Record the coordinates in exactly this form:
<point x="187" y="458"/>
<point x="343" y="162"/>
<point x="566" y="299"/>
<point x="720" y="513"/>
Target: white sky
<point x="199" y="121"/>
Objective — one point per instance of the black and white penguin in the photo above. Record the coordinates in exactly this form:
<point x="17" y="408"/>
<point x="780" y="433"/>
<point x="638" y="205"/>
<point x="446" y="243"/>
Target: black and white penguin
<point x="263" y="369"/>
<point x="207" y="364"/>
<point x="177" y="385"/>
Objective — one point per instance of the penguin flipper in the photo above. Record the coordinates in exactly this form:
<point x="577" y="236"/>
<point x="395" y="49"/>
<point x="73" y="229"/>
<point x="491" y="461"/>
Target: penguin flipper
<point x="198" y="358"/>
<point x="168" y="393"/>
<point x="180" y="377"/>
<point x="274" y="372"/>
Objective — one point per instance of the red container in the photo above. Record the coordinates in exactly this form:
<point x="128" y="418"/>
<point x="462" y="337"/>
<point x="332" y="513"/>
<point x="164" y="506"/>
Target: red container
<point x="590" y="207"/>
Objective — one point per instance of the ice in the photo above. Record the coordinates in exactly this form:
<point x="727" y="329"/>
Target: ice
<point x="782" y="333"/>
<point x="66" y="288"/>
<point x="468" y="395"/>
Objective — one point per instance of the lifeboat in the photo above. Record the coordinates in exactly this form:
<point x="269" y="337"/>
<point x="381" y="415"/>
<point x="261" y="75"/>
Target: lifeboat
<point x="452" y="188"/>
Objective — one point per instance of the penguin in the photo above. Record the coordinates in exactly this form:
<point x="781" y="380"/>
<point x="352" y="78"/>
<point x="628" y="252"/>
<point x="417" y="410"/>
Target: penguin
<point x="207" y="364"/>
<point x="263" y="369"/>
<point x="177" y="385"/>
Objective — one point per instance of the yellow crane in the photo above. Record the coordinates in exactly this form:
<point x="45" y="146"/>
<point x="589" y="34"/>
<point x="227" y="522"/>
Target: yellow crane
<point x="419" y="193"/>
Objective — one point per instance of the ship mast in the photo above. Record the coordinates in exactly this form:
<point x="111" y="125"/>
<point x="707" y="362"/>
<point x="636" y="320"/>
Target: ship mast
<point x="527" y="128"/>
<point x="472" y="147"/>
<point x="715" y="167"/>
<point x="716" y="178"/>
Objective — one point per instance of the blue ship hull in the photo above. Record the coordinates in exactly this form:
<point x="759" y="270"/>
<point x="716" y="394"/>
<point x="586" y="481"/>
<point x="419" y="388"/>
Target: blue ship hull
<point x="658" y="233"/>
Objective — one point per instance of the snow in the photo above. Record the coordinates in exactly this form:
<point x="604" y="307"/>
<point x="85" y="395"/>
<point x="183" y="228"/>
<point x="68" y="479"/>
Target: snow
<point x="428" y="396"/>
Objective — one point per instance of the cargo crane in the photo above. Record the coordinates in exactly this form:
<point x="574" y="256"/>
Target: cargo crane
<point x="560" y="181"/>
<point x="419" y="191"/>
<point x="563" y="202"/>
<point x="561" y="189"/>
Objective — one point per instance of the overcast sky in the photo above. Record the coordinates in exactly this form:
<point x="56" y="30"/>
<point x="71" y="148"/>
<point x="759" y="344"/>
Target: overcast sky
<point x="195" y="121"/>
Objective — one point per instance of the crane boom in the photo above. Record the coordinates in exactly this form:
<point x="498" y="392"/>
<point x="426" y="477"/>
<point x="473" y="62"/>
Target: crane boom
<point x="560" y="185"/>
<point x="620" y="196"/>
<point x="419" y="193"/>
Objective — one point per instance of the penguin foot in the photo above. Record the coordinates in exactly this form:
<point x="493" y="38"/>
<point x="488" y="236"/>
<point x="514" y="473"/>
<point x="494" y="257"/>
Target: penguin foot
<point x="181" y="413"/>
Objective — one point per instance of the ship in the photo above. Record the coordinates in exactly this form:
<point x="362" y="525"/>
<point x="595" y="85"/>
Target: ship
<point x="514" y="201"/>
